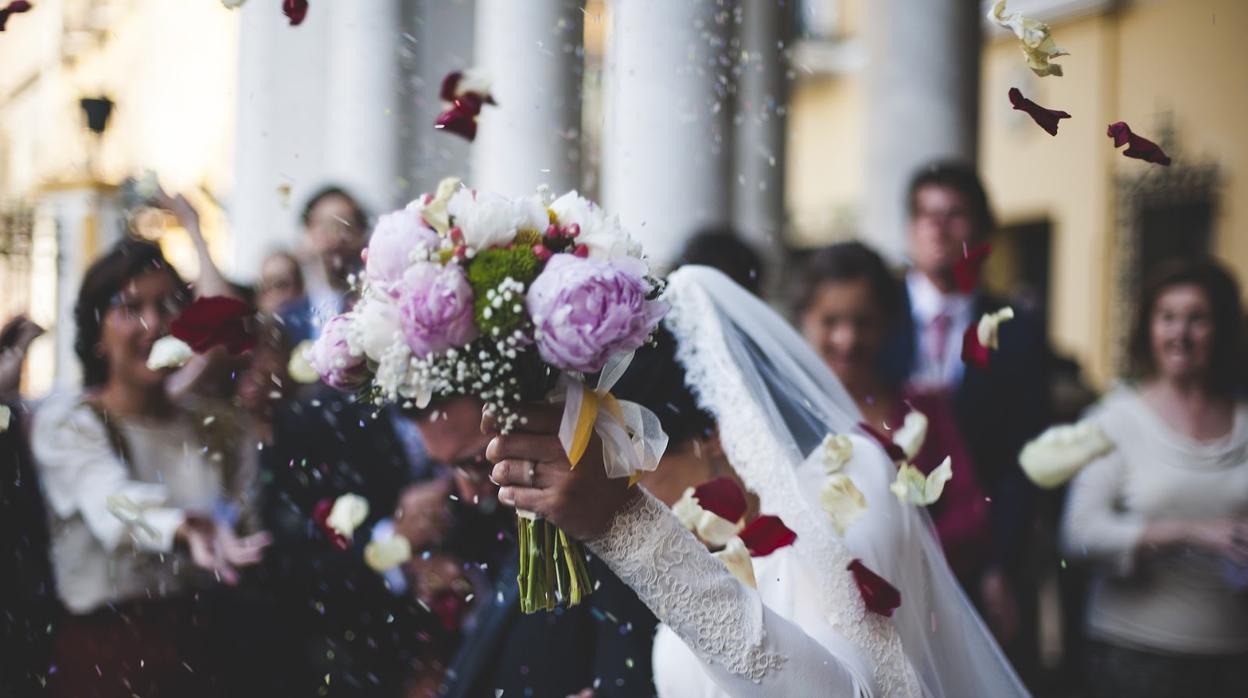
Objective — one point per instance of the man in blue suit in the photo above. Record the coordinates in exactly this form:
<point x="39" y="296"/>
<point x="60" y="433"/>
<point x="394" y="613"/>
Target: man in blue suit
<point x="998" y="408"/>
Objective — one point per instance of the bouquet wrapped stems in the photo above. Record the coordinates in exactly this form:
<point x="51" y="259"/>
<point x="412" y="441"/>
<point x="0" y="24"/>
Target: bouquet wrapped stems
<point x="553" y="571"/>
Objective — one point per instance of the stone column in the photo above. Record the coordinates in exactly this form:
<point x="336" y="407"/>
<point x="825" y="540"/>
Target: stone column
<point x="362" y="114"/>
<point x="762" y="116"/>
<point x="667" y="140"/>
<point x="533" y="53"/>
<point x="922" y="86"/>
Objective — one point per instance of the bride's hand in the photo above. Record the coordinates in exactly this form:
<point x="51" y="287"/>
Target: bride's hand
<point x="534" y="474"/>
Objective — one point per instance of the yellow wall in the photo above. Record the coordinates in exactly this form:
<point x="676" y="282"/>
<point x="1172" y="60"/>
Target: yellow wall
<point x="1181" y="60"/>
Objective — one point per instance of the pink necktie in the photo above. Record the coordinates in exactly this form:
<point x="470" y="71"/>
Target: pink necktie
<point x="937" y="339"/>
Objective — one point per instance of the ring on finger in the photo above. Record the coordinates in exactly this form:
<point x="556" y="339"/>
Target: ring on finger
<point x="532" y="473"/>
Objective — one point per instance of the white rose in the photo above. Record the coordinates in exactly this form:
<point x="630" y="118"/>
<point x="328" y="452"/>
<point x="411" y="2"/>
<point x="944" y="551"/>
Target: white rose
<point x="842" y="500"/>
<point x="374" y="327"/>
<point x="490" y="220"/>
<point x="169" y="352"/>
<point x="1062" y="451"/>
<point x="736" y="557"/>
<point x="348" y="512"/>
<point x="602" y="234"/>
<point x="912" y="433"/>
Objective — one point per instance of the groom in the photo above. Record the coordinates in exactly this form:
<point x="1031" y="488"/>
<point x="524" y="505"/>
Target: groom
<point x="602" y="645"/>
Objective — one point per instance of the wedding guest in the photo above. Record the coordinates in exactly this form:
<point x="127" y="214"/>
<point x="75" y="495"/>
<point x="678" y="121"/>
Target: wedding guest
<point x="722" y="248"/>
<point x="849" y="300"/>
<point x="997" y="409"/>
<point x="281" y="282"/>
<point x="1165" y="513"/>
<point x="369" y="633"/>
<point x="133" y="483"/>
<point x="335" y="232"/>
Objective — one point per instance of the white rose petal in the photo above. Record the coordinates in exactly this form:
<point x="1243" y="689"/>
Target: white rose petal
<point x="348" y="512"/>
<point x="912" y="433"/>
<point x="435" y="212"/>
<point x="911" y="487"/>
<point x="387" y="553"/>
<point x="990" y="324"/>
<point x="129" y="512"/>
<point x="300" y="365"/>
<point x="716" y="530"/>
<point x="169" y="352"/>
<point x="6" y="416"/>
<point x="842" y="500"/>
<point x="1062" y="451"/>
<point x="688" y="510"/>
<point x="736" y="557"/>
<point x="837" y="451"/>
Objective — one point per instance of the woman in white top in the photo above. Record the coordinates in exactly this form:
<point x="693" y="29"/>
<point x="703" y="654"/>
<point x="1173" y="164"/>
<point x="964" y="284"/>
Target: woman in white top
<point x="135" y="486"/>
<point x="1166" y="512"/>
<point x="807" y="629"/>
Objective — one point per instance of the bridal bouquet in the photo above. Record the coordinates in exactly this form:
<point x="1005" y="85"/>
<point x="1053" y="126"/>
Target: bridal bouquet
<point x="507" y="300"/>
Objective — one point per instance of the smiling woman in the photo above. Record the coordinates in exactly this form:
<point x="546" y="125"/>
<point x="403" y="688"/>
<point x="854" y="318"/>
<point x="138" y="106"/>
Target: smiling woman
<point x="134" y="484"/>
<point x="1165" y="513"/>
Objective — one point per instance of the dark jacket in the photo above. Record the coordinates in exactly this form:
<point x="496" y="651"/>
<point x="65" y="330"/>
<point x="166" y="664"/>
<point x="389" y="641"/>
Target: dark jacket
<point x="998" y="410"/>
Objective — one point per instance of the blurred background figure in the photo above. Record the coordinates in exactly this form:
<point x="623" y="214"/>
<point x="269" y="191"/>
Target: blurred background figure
<point x="15" y="339"/>
<point x="1164" y="516"/>
<point x="335" y="230"/>
<point x="139" y="489"/>
<point x="723" y="248"/>
<point x="948" y="214"/>
<point x="849" y="301"/>
<point x="281" y="282"/>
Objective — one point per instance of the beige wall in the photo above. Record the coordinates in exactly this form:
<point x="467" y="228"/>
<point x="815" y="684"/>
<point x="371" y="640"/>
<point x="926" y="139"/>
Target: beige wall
<point x="1181" y="60"/>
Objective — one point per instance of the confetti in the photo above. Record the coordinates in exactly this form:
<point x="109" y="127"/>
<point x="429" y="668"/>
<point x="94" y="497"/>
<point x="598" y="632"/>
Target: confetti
<point x="879" y="596"/>
<point x="1037" y="43"/>
<point x="913" y="487"/>
<point x="295" y="11"/>
<point x="467" y="92"/>
<point x="766" y="534"/>
<point x="214" y="321"/>
<point x="168" y="352"/>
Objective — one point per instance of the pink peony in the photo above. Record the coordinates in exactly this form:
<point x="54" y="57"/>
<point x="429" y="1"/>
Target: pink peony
<point x="390" y="248"/>
<point x="332" y="358"/>
<point x="585" y="310"/>
<point x="435" y="308"/>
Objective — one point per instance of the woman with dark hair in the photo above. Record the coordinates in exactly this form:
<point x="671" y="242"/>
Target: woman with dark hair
<point x="848" y="303"/>
<point x="139" y="490"/>
<point x="1165" y="513"/>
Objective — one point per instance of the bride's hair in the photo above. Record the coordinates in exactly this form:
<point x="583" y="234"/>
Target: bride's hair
<point x="656" y="380"/>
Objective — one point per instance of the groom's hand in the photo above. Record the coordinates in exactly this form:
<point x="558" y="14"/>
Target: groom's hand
<point x="533" y="471"/>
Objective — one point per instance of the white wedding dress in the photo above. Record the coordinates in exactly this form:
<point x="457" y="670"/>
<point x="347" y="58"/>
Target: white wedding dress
<point x="806" y="630"/>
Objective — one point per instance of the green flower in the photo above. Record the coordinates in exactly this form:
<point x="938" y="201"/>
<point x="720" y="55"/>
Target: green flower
<point x="498" y="277"/>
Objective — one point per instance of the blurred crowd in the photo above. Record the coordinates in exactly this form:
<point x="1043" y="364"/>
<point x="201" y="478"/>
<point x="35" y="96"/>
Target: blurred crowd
<point x="160" y="525"/>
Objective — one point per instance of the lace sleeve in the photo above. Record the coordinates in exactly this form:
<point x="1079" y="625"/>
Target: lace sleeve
<point x="748" y="649"/>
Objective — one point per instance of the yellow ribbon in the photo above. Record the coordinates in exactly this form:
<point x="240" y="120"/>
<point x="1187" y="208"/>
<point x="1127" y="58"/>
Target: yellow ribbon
<point x="584" y="426"/>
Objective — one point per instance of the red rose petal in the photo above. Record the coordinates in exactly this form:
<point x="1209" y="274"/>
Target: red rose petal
<point x="966" y="270"/>
<point x="722" y="497"/>
<point x="14" y="8"/>
<point x="449" y="83"/>
<point x="879" y="596"/>
<point x="892" y="449"/>
<point x="448" y="606"/>
<point x="295" y="11"/>
<point x="1138" y="147"/>
<point x="215" y="321"/>
<point x="458" y="122"/>
<point x="974" y="353"/>
<point x="1046" y="118"/>
<point x="765" y="535"/>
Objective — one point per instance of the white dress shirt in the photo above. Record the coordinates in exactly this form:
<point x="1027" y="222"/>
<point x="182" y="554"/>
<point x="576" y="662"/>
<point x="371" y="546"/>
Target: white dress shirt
<point x="926" y="304"/>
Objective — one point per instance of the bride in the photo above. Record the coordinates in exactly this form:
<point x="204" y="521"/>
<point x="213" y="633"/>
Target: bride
<point x="769" y="402"/>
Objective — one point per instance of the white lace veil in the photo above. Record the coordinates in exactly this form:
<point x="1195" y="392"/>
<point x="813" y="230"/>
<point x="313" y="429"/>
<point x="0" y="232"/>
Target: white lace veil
<point x="774" y="401"/>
